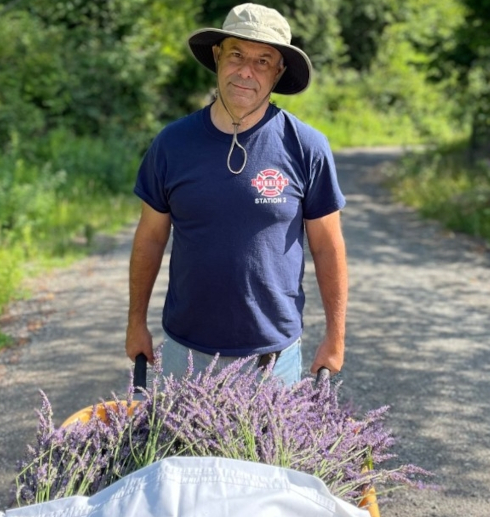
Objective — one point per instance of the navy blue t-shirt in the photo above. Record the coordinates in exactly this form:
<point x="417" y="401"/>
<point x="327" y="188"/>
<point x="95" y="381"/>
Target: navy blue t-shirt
<point x="237" y="260"/>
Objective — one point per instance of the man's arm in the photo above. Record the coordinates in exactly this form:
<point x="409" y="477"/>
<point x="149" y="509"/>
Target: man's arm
<point x="328" y="250"/>
<point x="149" y="243"/>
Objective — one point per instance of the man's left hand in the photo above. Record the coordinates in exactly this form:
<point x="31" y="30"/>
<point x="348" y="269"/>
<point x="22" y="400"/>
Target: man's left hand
<point x="329" y="354"/>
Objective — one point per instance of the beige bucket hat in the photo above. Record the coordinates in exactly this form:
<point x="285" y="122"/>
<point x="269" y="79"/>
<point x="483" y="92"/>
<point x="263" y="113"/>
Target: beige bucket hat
<point x="256" y="22"/>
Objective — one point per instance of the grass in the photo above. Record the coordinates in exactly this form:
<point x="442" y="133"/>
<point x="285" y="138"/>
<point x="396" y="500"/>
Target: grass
<point x="446" y="185"/>
<point x="57" y="197"/>
<point x="85" y="228"/>
<point x="73" y="232"/>
<point x="5" y="341"/>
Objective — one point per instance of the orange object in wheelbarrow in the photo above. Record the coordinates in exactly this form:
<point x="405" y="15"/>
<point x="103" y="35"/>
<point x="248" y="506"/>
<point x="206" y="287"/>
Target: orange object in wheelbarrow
<point x="370" y="502"/>
<point x="139" y="384"/>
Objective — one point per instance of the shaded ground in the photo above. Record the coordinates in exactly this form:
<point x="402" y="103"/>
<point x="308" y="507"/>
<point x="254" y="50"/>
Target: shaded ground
<point x="418" y="340"/>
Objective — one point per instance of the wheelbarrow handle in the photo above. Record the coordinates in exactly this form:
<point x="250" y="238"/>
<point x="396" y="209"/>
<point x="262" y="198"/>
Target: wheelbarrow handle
<point x="139" y="377"/>
<point x="322" y="375"/>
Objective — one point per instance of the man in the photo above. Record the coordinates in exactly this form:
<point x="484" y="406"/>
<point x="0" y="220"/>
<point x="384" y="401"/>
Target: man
<point x="239" y="181"/>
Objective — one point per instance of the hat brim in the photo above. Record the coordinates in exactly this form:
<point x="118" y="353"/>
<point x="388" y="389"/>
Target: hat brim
<point x="295" y="79"/>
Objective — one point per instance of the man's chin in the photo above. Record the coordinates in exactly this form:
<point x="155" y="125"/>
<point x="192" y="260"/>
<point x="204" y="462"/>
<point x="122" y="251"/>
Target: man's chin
<point x="242" y="100"/>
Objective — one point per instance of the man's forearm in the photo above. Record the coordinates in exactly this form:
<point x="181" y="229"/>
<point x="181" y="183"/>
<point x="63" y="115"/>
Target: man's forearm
<point x="328" y="251"/>
<point x="146" y="259"/>
<point x="331" y="273"/>
<point x="149" y="243"/>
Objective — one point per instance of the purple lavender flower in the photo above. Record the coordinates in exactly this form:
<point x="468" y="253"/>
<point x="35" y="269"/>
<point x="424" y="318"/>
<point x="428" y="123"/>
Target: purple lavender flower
<point x="235" y="413"/>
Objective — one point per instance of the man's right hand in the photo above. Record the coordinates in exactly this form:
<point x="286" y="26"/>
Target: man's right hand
<point x="139" y="341"/>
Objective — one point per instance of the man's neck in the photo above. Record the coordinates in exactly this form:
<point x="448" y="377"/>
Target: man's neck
<point x="224" y="121"/>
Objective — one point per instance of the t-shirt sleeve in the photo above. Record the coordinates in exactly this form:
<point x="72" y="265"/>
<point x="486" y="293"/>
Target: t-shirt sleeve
<point x="323" y="194"/>
<point x="150" y="180"/>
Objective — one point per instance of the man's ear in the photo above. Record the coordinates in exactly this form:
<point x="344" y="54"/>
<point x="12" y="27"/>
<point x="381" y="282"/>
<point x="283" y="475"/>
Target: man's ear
<point x="280" y="72"/>
<point x="216" y="49"/>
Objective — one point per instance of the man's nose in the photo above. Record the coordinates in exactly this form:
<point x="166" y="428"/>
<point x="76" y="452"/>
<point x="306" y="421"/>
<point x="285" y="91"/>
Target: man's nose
<point x="246" y="68"/>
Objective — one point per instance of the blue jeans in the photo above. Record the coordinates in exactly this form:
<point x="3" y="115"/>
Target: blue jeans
<point x="175" y="361"/>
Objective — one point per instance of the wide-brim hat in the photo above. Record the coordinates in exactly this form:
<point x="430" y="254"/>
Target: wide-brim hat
<point x="258" y="23"/>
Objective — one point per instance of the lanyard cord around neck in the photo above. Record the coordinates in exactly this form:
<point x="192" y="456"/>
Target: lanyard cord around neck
<point x="235" y="141"/>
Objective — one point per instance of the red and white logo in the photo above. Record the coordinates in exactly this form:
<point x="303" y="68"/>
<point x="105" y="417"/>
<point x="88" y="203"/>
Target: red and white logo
<point x="270" y="183"/>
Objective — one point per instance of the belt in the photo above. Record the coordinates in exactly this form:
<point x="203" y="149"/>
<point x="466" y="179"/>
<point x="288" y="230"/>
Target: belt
<point x="264" y="360"/>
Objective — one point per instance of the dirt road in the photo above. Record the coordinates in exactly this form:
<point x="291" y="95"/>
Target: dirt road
<point x="418" y="340"/>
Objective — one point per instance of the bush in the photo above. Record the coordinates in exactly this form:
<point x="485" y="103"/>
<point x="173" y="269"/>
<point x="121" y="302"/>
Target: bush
<point x="57" y="194"/>
<point x="10" y="276"/>
<point x="355" y="112"/>
<point x="443" y="184"/>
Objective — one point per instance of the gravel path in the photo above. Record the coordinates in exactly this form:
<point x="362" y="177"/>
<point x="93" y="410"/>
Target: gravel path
<point x="418" y="340"/>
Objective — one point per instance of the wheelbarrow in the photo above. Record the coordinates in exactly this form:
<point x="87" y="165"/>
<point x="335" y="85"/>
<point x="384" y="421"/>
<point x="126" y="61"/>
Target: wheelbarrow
<point x="139" y="384"/>
<point x="202" y="486"/>
<point x="369" y="502"/>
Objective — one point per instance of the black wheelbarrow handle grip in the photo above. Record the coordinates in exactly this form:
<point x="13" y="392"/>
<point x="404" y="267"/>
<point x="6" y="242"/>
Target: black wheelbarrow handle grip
<point x="139" y="377"/>
<point x="322" y="375"/>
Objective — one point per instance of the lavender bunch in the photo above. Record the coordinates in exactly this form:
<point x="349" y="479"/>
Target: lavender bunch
<point x="233" y="413"/>
<point x="79" y="459"/>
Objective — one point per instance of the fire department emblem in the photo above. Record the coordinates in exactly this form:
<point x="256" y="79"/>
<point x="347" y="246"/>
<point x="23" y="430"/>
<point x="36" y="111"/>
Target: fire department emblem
<point x="270" y="183"/>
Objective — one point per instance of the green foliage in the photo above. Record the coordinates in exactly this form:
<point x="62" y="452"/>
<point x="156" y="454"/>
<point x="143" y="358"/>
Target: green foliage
<point x="362" y="25"/>
<point x="92" y="165"/>
<point x="5" y="341"/>
<point x="121" y="66"/>
<point x="10" y="278"/>
<point x="398" y="79"/>
<point x="30" y="76"/>
<point x="55" y="203"/>
<point x="315" y="28"/>
<point x="444" y="185"/>
<point x="214" y="12"/>
<point x="466" y="57"/>
<point x="355" y="112"/>
<point x="94" y="67"/>
<point x="347" y="118"/>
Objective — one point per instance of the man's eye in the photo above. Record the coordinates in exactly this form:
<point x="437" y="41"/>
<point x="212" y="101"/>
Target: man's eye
<point x="263" y="64"/>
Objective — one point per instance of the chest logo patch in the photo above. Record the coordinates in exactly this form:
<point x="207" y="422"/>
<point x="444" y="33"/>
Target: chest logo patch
<point x="270" y="183"/>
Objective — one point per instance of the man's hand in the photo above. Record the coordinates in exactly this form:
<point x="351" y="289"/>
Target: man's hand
<point x="139" y="341"/>
<point x="330" y="355"/>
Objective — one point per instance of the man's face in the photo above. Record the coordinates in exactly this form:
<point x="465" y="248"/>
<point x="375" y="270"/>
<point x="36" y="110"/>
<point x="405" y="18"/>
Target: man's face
<point x="246" y="71"/>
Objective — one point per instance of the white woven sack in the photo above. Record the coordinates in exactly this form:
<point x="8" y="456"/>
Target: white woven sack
<point x="203" y="487"/>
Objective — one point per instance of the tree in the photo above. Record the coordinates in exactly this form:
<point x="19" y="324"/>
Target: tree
<point x="474" y="43"/>
<point x="362" y="25"/>
<point x="465" y="56"/>
<point x="94" y="66"/>
<point x="31" y="76"/>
